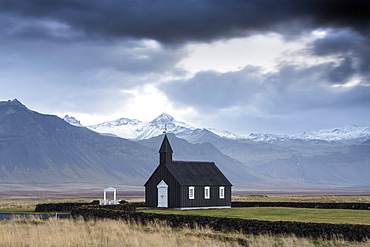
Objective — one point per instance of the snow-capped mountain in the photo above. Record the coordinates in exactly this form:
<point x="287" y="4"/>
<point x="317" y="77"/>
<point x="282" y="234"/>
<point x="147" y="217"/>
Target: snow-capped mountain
<point x="72" y="120"/>
<point x="138" y="130"/>
<point x="165" y="122"/>
<point x="349" y="133"/>
<point x="122" y="127"/>
<point x="261" y="137"/>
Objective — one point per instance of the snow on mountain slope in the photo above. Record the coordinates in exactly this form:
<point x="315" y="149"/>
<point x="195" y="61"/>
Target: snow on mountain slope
<point x="260" y="137"/>
<point x="122" y="127"/>
<point x="225" y="134"/>
<point x="168" y="123"/>
<point x="138" y="130"/>
<point x="72" y="120"/>
<point x="349" y="132"/>
<point x="346" y="134"/>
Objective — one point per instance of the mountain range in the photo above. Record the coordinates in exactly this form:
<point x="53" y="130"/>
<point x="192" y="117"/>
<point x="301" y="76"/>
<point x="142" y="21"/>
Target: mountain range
<point x="44" y="149"/>
<point x="325" y="157"/>
<point x="138" y="130"/>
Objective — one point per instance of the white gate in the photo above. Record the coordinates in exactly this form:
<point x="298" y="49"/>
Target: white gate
<point x="162" y="194"/>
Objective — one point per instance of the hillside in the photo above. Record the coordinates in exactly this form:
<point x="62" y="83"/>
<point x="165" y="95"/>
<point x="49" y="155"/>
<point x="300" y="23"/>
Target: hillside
<point x="43" y="149"/>
<point x="38" y="148"/>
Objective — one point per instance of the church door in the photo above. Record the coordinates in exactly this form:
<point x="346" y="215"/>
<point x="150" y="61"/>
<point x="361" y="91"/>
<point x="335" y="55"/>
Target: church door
<point x="162" y="195"/>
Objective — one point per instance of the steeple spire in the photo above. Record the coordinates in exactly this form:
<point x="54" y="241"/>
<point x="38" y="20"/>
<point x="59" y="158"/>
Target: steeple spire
<point x="165" y="152"/>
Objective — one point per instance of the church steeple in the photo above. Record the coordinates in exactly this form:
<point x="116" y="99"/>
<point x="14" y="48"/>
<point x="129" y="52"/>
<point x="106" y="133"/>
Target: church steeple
<point x="165" y="152"/>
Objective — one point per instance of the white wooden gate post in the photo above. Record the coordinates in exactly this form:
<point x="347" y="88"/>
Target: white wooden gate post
<point x="107" y="202"/>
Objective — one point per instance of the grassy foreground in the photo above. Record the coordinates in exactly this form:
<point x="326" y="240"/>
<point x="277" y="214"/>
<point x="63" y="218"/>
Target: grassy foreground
<point x="57" y="232"/>
<point x="333" y="216"/>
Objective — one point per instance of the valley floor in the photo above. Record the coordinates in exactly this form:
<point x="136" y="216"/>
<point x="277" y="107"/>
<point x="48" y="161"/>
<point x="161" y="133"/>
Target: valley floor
<point x="95" y="191"/>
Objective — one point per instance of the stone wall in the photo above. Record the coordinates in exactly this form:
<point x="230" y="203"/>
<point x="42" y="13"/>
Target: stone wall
<point x="59" y="207"/>
<point x="68" y="207"/>
<point x="313" y="230"/>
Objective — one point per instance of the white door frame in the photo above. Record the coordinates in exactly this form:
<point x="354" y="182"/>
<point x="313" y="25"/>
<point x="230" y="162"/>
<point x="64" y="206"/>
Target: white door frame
<point x="162" y="189"/>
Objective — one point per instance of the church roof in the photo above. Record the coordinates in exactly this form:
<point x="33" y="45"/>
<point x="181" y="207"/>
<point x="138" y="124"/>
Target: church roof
<point x="165" y="147"/>
<point x="197" y="173"/>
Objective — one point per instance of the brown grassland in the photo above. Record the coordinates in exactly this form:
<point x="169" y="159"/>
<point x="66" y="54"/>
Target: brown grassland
<point x="57" y="232"/>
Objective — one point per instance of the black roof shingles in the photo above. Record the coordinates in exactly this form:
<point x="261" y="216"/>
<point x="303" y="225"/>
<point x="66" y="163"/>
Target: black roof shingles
<point x="197" y="173"/>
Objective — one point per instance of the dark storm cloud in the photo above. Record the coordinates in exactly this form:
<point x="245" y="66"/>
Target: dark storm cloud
<point x="343" y="72"/>
<point x="210" y="90"/>
<point x="194" y="20"/>
<point x="292" y="92"/>
<point x="296" y="89"/>
<point x="352" y="51"/>
<point x="86" y="55"/>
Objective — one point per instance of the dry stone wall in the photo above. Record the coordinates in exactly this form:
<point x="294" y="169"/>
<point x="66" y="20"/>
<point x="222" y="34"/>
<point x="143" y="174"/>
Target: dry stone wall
<point x="59" y="207"/>
<point x="68" y="207"/>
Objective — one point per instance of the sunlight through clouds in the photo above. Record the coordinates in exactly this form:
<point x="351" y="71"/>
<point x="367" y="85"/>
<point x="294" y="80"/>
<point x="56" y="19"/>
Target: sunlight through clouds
<point x="148" y="101"/>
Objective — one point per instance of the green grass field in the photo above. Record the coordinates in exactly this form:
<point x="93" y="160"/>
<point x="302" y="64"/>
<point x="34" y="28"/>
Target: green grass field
<point x="334" y="216"/>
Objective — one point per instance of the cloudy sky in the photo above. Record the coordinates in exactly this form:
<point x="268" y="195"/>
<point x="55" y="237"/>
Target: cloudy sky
<point x="281" y="67"/>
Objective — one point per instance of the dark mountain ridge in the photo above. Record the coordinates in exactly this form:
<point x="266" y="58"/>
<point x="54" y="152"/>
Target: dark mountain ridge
<point x="43" y="149"/>
<point x="38" y="148"/>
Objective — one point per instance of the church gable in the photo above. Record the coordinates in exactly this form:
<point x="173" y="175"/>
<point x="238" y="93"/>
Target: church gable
<point x="159" y="174"/>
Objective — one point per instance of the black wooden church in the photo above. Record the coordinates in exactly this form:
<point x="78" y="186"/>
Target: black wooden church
<point x="186" y="184"/>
